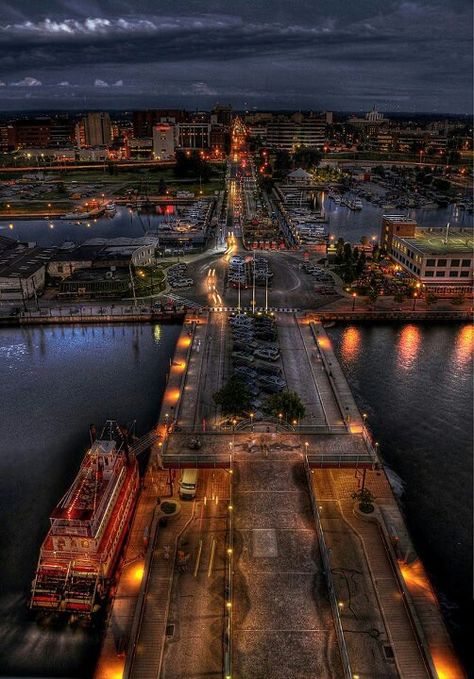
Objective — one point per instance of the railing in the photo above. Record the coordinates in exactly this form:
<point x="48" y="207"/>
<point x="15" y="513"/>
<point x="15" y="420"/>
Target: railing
<point x="339" y="460"/>
<point x="229" y="575"/>
<point x="346" y="665"/>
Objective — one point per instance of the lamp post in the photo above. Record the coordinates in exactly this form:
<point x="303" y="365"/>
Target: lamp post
<point x="415" y="295"/>
<point x="251" y="420"/>
<point x="354" y="295"/>
<point x="280" y="417"/>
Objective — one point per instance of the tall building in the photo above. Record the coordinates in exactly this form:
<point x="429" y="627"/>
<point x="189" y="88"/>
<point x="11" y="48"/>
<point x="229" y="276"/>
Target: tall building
<point x="97" y="129"/>
<point x="193" y="136"/>
<point x="288" y="135"/>
<point x="163" y="142"/>
<point x="32" y="133"/>
<point x="144" y="121"/>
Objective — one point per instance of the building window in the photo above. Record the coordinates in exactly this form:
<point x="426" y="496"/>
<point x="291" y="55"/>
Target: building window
<point x="430" y="262"/>
<point x="440" y="274"/>
<point x="464" y="274"/>
<point x="441" y="262"/>
<point x="455" y="262"/>
<point x="466" y="262"/>
<point x="429" y="274"/>
<point x="453" y="274"/>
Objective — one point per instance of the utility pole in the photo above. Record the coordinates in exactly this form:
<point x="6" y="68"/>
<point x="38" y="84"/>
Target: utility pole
<point x="133" y="285"/>
<point x="266" y="292"/>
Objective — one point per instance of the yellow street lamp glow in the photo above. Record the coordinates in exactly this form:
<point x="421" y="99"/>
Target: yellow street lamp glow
<point x="229" y="550"/>
<point x="230" y="508"/>
<point x="229" y="604"/>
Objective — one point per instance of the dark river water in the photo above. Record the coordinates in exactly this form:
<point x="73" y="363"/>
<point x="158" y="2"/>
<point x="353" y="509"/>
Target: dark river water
<point x="55" y="381"/>
<point x="413" y="381"/>
<point x="415" y="384"/>
<point x="342" y="222"/>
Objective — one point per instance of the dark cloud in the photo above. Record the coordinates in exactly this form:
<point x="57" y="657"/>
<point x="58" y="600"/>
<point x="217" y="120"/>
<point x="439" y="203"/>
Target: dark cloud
<point x="325" y="55"/>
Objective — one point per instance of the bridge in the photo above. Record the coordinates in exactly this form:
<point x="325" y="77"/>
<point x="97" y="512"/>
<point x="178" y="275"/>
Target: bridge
<point x="273" y="514"/>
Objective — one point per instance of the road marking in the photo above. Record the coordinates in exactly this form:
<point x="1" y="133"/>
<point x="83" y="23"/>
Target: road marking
<point x="211" y="560"/>
<point x="198" y="559"/>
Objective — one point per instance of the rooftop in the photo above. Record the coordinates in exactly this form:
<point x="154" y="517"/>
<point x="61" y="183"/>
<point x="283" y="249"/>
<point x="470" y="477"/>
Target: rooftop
<point x="22" y="262"/>
<point x="433" y="241"/>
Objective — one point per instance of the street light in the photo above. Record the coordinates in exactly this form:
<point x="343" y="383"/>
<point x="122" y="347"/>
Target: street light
<point x="280" y="417"/>
<point x="354" y="295"/>
<point x="415" y="295"/>
<point x="252" y="415"/>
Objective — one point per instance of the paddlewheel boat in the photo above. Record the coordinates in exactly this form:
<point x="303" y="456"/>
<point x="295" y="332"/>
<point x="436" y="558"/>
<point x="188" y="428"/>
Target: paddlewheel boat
<point x="88" y="528"/>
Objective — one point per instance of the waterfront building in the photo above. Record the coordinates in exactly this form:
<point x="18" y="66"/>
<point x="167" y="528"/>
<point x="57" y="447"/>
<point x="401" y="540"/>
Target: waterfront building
<point x="22" y="270"/>
<point x="439" y="259"/>
<point x="102" y="253"/>
<point x="398" y="225"/>
<point x="163" y="141"/>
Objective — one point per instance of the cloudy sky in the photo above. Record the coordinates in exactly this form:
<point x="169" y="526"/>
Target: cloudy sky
<point x="399" y="55"/>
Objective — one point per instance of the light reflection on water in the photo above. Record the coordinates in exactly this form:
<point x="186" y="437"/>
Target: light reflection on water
<point x="415" y="382"/>
<point x="350" y="345"/>
<point x="408" y="346"/>
<point x="57" y="380"/>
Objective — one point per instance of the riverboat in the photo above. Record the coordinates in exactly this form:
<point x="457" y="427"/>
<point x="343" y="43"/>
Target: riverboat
<point x="88" y="528"/>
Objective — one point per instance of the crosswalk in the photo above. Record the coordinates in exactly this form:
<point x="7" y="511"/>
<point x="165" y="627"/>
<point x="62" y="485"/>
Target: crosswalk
<point x="188" y="303"/>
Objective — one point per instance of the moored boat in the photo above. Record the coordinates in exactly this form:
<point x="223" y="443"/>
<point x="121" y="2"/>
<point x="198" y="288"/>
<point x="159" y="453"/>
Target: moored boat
<point x="88" y="528"/>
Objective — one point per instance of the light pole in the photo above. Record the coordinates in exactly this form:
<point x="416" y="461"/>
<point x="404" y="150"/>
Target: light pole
<point x="251" y="420"/>
<point x="306" y="446"/>
<point x="415" y="295"/>
<point x="354" y="295"/>
<point x="280" y="417"/>
<point x="253" y="286"/>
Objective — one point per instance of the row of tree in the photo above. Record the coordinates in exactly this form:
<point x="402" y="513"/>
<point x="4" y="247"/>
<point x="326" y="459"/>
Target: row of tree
<point x="234" y="399"/>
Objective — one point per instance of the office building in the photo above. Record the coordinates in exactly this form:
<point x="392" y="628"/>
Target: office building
<point x="395" y="225"/>
<point x="288" y="135"/>
<point x="97" y="129"/>
<point x="440" y="259"/>
<point x="163" y="142"/>
<point x="193" y="136"/>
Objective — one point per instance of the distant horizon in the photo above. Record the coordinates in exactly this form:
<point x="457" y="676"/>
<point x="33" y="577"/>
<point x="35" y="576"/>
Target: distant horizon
<point x="235" y="110"/>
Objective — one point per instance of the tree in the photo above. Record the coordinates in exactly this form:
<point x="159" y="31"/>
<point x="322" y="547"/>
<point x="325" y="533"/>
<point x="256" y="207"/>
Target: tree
<point x="287" y="403"/>
<point x="233" y="398"/>
<point x="191" y="166"/>
<point x="361" y="262"/>
<point x="366" y="499"/>
<point x="307" y="157"/>
<point x="282" y="161"/>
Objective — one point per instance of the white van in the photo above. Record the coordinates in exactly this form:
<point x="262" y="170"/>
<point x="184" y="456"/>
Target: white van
<point x="188" y="484"/>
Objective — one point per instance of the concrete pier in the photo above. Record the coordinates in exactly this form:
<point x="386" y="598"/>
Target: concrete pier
<point x="286" y="576"/>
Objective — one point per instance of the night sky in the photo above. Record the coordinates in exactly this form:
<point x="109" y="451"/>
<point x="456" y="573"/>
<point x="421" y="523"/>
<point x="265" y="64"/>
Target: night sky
<point x="295" y="54"/>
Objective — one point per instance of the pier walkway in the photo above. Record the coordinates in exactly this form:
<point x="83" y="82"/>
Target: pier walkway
<point x="285" y="579"/>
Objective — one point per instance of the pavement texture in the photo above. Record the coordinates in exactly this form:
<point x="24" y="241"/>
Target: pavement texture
<point x="282" y="618"/>
<point x="195" y="624"/>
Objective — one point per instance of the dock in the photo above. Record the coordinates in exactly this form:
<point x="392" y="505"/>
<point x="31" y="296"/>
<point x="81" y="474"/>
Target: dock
<point x="284" y="575"/>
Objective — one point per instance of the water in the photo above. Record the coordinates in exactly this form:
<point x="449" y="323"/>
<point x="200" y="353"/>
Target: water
<point x="55" y="382"/>
<point x="130" y="224"/>
<point x="413" y="381"/>
<point x="415" y="384"/>
<point x="352" y="225"/>
<point x="342" y="222"/>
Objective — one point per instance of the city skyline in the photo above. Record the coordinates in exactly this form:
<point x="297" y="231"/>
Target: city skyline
<point x="398" y="56"/>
